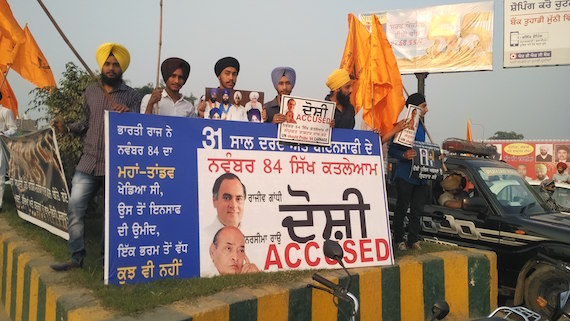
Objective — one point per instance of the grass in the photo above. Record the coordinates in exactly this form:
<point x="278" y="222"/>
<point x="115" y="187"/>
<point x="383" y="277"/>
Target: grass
<point x="138" y="298"/>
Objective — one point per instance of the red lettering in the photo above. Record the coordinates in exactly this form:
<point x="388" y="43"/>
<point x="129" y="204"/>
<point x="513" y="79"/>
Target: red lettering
<point x="364" y="250"/>
<point x="272" y="251"/>
<point x="386" y="249"/>
<point x="349" y="250"/>
<point x="307" y="258"/>
<point x="330" y="261"/>
<point x="288" y="255"/>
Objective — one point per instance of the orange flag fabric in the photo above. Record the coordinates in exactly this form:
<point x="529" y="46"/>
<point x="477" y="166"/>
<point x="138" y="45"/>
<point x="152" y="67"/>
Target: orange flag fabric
<point x="386" y="80"/>
<point x="469" y="137"/>
<point x="31" y="64"/>
<point x="11" y="34"/>
<point x="355" y="60"/>
<point x="8" y="98"/>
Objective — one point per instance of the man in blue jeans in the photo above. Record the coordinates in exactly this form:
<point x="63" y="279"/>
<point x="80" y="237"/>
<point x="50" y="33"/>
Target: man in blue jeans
<point x="413" y="193"/>
<point x="113" y="60"/>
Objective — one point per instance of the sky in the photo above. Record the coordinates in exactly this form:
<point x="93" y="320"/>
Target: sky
<point x="307" y="35"/>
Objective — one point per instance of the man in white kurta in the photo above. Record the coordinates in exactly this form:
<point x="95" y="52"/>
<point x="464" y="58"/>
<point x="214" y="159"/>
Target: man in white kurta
<point x="7" y="128"/>
<point x="169" y="101"/>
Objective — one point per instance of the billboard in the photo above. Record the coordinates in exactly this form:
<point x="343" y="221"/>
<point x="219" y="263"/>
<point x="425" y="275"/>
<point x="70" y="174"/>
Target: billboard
<point x="446" y="38"/>
<point x="536" y="33"/>
<point x="533" y="159"/>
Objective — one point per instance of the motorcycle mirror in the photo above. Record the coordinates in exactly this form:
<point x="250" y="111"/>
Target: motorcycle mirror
<point x="333" y="250"/>
<point x="439" y="310"/>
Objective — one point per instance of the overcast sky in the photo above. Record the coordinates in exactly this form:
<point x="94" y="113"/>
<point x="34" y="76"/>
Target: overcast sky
<point x="307" y="35"/>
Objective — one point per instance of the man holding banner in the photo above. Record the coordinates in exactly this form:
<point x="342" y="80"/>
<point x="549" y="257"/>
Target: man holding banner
<point x="171" y="102"/>
<point x="412" y="192"/>
<point x="340" y="84"/>
<point x="283" y="79"/>
<point x="227" y="70"/>
<point x="113" y="59"/>
<point x="7" y="128"/>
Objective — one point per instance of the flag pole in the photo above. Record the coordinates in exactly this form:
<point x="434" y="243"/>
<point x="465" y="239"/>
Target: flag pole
<point x="89" y="71"/>
<point x="155" y="107"/>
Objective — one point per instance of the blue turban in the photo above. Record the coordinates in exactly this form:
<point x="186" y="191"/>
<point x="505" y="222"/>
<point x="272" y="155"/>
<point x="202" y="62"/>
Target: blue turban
<point x="279" y="72"/>
<point x="225" y="92"/>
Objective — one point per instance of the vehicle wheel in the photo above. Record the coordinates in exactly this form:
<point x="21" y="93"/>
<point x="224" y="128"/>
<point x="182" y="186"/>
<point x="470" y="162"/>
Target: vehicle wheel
<point x="547" y="282"/>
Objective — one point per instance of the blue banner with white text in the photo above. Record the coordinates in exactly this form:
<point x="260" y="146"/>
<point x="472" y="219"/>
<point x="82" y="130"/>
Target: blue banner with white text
<point x="190" y="197"/>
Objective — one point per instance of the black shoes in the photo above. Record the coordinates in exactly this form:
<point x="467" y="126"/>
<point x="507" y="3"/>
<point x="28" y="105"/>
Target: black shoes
<point x="66" y="266"/>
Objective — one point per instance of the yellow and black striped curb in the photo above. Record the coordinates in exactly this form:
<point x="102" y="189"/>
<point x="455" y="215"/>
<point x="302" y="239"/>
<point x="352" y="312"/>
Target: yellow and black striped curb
<point x="467" y="279"/>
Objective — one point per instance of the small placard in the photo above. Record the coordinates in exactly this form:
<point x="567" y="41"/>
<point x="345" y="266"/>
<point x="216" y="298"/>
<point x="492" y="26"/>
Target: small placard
<point x="307" y="121"/>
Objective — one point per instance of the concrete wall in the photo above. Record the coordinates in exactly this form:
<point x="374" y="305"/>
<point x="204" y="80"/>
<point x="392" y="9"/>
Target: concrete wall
<point x="30" y="291"/>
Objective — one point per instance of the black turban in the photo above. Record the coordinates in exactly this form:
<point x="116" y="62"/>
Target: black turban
<point x="415" y="99"/>
<point x="169" y="65"/>
<point x="225" y="63"/>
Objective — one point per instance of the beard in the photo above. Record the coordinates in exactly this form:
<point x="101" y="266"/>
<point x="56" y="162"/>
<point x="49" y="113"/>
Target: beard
<point x="113" y="82"/>
<point x="213" y="99"/>
<point x="225" y="101"/>
<point x="343" y="99"/>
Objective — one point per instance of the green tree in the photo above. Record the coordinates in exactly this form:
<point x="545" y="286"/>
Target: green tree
<point x="64" y="102"/>
<point x="507" y="135"/>
<point x="191" y="98"/>
<point x="146" y="89"/>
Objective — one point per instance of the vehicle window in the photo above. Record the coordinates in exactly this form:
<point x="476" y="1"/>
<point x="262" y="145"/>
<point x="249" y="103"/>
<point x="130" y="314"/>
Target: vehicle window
<point x="511" y="191"/>
<point x="562" y="197"/>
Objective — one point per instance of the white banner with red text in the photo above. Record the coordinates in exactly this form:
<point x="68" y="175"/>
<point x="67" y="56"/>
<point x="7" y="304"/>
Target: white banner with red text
<point x="197" y="198"/>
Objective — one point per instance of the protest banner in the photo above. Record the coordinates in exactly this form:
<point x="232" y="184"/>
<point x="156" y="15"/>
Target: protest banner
<point x="247" y="105"/>
<point x="307" y="121"/>
<point x="427" y="163"/>
<point x="38" y="181"/>
<point x="168" y="196"/>
<point x="407" y="136"/>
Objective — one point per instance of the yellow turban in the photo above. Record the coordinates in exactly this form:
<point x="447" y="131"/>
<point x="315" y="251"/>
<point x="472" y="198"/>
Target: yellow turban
<point x="337" y="79"/>
<point x="119" y="51"/>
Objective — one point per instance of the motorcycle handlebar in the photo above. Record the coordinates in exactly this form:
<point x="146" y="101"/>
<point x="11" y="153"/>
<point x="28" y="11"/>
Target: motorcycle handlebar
<point x="325" y="282"/>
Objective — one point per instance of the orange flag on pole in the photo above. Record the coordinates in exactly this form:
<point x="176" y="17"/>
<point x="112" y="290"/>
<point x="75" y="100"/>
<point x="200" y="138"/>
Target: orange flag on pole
<point x="8" y="98"/>
<point x="469" y="137"/>
<point x="11" y="34"/>
<point x="355" y="60"/>
<point x="31" y="64"/>
<point x="387" y="88"/>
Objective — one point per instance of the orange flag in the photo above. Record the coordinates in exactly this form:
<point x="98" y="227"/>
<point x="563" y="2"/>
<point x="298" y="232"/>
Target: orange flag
<point x="469" y="137"/>
<point x="355" y="60"/>
<point x="11" y="34"/>
<point x="386" y="80"/>
<point x="31" y="64"/>
<point x="8" y="98"/>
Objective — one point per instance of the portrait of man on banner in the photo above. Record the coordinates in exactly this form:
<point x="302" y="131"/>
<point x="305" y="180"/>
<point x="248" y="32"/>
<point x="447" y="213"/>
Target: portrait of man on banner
<point x="228" y="202"/>
<point x="407" y="136"/>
